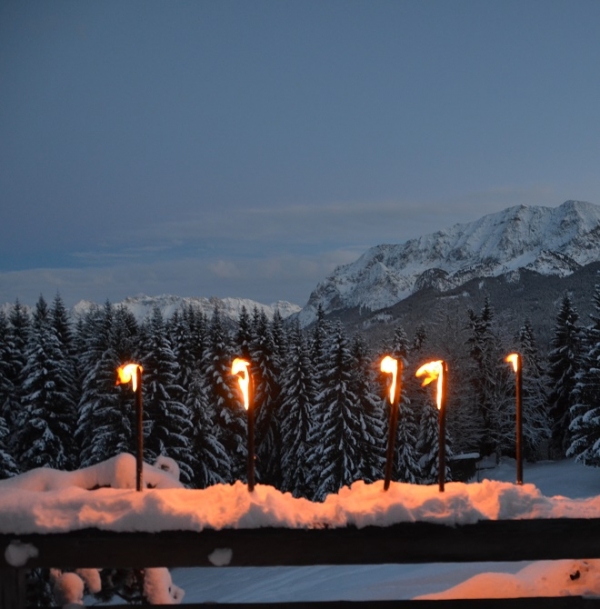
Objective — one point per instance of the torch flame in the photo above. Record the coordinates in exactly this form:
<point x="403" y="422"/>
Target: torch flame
<point x="433" y="371"/>
<point x="127" y="373"/>
<point x="514" y="359"/>
<point x="240" y="367"/>
<point x="390" y="365"/>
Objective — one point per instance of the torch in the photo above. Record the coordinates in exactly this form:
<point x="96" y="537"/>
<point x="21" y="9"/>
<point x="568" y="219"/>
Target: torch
<point x="240" y="368"/>
<point x="393" y="367"/>
<point x="432" y="371"/>
<point x="515" y="360"/>
<point x="132" y="373"/>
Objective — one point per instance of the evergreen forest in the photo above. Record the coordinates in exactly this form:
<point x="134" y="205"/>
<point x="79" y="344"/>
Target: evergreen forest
<point x="321" y="414"/>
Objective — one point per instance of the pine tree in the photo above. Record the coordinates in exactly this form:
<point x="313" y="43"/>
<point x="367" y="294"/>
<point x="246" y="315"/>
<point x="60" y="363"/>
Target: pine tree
<point x="489" y="384"/>
<point x="406" y="467"/>
<point x="14" y="356"/>
<point x="7" y="388"/>
<point x="585" y="412"/>
<point x="296" y="416"/>
<point x="342" y="426"/>
<point x="230" y="417"/>
<point x="563" y="366"/>
<point x="106" y="417"/>
<point x="266" y="371"/>
<point x="535" y="418"/>
<point x="46" y="424"/>
<point x="369" y="410"/>
<point x="212" y="463"/>
<point x="166" y="419"/>
<point x="244" y="334"/>
<point x="280" y="338"/>
<point x="428" y="446"/>
<point x="8" y="466"/>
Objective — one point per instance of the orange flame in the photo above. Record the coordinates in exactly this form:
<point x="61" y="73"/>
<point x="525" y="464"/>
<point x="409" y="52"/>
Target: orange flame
<point x="240" y="367"/>
<point x="433" y="371"/>
<point x="390" y="365"/>
<point x="515" y="360"/>
<point x="127" y="373"/>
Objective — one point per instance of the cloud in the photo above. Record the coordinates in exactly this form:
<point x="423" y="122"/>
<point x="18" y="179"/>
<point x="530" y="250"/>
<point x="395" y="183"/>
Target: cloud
<point x="264" y="279"/>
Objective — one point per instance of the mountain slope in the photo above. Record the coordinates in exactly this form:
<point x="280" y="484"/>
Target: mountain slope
<point x="550" y="241"/>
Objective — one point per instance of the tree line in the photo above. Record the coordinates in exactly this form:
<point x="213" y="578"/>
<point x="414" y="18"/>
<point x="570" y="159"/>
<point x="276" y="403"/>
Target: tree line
<point x="321" y="413"/>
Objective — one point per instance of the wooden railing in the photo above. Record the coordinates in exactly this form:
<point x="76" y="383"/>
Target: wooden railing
<point x="416" y="542"/>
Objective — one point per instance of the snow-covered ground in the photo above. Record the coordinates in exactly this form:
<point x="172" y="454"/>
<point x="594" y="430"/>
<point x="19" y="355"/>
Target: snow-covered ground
<point x="438" y="580"/>
<point x="46" y="500"/>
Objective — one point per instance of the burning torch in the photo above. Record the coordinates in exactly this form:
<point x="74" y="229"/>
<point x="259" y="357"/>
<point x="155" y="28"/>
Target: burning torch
<point x="515" y="360"/>
<point x="240" y="368"/>
<point x="132" y="373"/>
<point x="393" y="367"/>
<point x="432" y="371"/>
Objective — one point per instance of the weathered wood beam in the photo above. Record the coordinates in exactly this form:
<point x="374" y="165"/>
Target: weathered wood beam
<point x="416" y="542"/>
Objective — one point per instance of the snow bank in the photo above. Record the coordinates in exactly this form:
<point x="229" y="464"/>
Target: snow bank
<point x="47" y="501"/>
<point x="542" y="578"/>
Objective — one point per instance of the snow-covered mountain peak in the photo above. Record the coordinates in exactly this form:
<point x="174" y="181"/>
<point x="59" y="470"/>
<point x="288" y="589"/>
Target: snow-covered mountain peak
<point x="547" y="240"/>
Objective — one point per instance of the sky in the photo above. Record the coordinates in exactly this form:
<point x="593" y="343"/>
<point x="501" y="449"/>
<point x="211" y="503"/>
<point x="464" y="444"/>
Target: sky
<point x="246" y="148"/>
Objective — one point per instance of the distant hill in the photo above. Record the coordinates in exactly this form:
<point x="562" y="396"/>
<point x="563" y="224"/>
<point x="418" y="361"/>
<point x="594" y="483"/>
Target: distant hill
<point x="141" y="306"/>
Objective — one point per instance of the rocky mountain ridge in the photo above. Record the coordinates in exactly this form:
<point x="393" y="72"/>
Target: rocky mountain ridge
<point x="549" y="241"/>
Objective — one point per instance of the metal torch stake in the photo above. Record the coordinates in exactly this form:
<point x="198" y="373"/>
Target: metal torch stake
<point x="389" y="461"/>
<point x="250" y="435"/>
<point x="519" y="422"/>
<point x="442" y="432"/>
<point x="140" y="432"/>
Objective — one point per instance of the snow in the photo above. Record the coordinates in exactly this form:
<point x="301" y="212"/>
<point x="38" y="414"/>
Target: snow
<point x="17" y="553"/>
<point x="48" y="501"/>
<point x="45" y="500"/>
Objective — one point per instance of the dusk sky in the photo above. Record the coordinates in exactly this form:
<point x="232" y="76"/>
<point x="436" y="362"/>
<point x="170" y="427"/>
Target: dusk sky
<point x="246" y="148"/>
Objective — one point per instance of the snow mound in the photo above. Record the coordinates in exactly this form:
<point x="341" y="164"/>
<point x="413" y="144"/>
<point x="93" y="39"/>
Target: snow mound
<point x="45" y="501"/>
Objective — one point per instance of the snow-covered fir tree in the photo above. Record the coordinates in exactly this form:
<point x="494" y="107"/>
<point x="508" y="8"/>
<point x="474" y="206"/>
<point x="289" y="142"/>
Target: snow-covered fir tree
<point x="341" y="430"/>
<point x="296" y="416"/>
<point x="223" y="395"/>
<point x="585" y="412"/>
<point x="188" y="336"/>
<point x="563" y="368"/>
<point x="8" y="466"/>
<point x="106" y="418"/>
<point x="536" y="429"/>
<point x="488" y="381"/>
<point x="428" y="445"/>
<point x="14" y="357"/>
<point x="266" y="372"/>
<point x="167" y="421"/>
<point x="244" y="334"/>
<point x="46" y="424"/>
<point x="370" y="409"/>
<point x="212" y="463"/>
<point x="406" y="467"/>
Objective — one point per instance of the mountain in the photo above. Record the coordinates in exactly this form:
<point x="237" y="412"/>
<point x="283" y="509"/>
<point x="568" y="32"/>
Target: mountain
<point x="141" y="306"/>
<point x="548" y="241"/>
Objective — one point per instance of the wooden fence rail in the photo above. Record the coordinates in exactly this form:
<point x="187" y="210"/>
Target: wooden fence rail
<point x="417" y="542"/>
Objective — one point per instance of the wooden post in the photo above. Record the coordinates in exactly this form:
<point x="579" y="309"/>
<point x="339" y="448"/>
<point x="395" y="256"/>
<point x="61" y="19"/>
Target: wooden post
<point x="519" y="421"/>
<point x="442" y="433"/>
<point x="140" y="431"/>
<point x="251" y="417"/>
